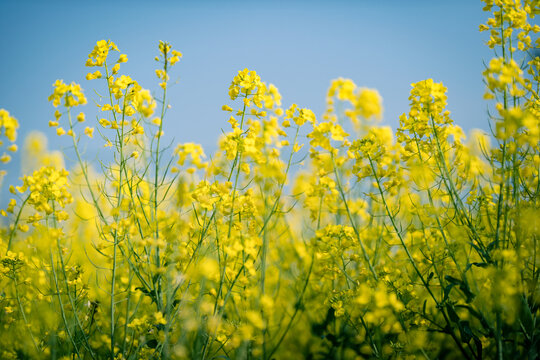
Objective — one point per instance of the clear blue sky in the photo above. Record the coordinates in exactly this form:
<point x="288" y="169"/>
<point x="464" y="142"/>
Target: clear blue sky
<point x="299" y="46"/>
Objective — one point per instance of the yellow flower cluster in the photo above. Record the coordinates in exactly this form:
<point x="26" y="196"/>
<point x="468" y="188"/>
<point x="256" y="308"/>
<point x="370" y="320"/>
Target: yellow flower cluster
<point x="366" y="103"/>
<point x="194" y="151"/>
<point x="8" y="129"/>
<point x="169" y="58"/>
<point x="247" y="83"/>
<point x="511" y="16"/>
<point x="47" y="188"/>
<point x="71" y="95"/>
<point x="299" y="116"/>
<point x="323" y="134"/>
<point x="99" y="54"/>
<point x="68" y="96"/>
<point x="427" y="118"/>
<point x="9" y="125"/>
<point x="501" y="75"/>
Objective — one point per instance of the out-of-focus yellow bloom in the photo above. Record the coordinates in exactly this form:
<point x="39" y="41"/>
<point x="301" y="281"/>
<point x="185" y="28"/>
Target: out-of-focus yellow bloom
<point x="88" y="131"/>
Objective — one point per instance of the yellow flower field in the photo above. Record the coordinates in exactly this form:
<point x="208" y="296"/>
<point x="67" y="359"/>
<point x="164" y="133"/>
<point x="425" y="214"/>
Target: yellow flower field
<point x="301" y="237"/>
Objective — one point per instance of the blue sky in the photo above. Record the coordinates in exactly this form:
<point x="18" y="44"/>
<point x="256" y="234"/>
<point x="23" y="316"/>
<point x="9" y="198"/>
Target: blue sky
<point x="299" y="46"/>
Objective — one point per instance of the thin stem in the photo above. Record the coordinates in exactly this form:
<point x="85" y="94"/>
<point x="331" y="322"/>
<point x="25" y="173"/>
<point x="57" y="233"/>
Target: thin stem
<point x="13" y="230"/>
<point x="353" y="224"/>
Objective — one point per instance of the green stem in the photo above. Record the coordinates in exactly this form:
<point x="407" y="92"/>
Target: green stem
<point x="353" y="224"/>
<point x="413" y="262"/>
<point x="12" y="232"/>
<point x="15" y="283"/>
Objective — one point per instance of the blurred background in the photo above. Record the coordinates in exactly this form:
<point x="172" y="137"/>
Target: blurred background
<point x="299" y="46"/>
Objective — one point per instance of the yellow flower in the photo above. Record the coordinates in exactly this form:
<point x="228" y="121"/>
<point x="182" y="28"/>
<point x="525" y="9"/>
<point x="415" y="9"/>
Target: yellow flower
<point x="159" y="319"/>
<point x="71" y="95"/>
<point x="300" y="116"/>
<point x="8" y="125"/>
<point x="100" y="52"/>
<point x="47" y="185"/>
<point x="5" y="158"/>
<point x="369" y="103"/>
<point x="248" y="83"/>
<point x="123" y="58"/>
<point x="88" y="131"/>
<point x="95" y="75"/>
